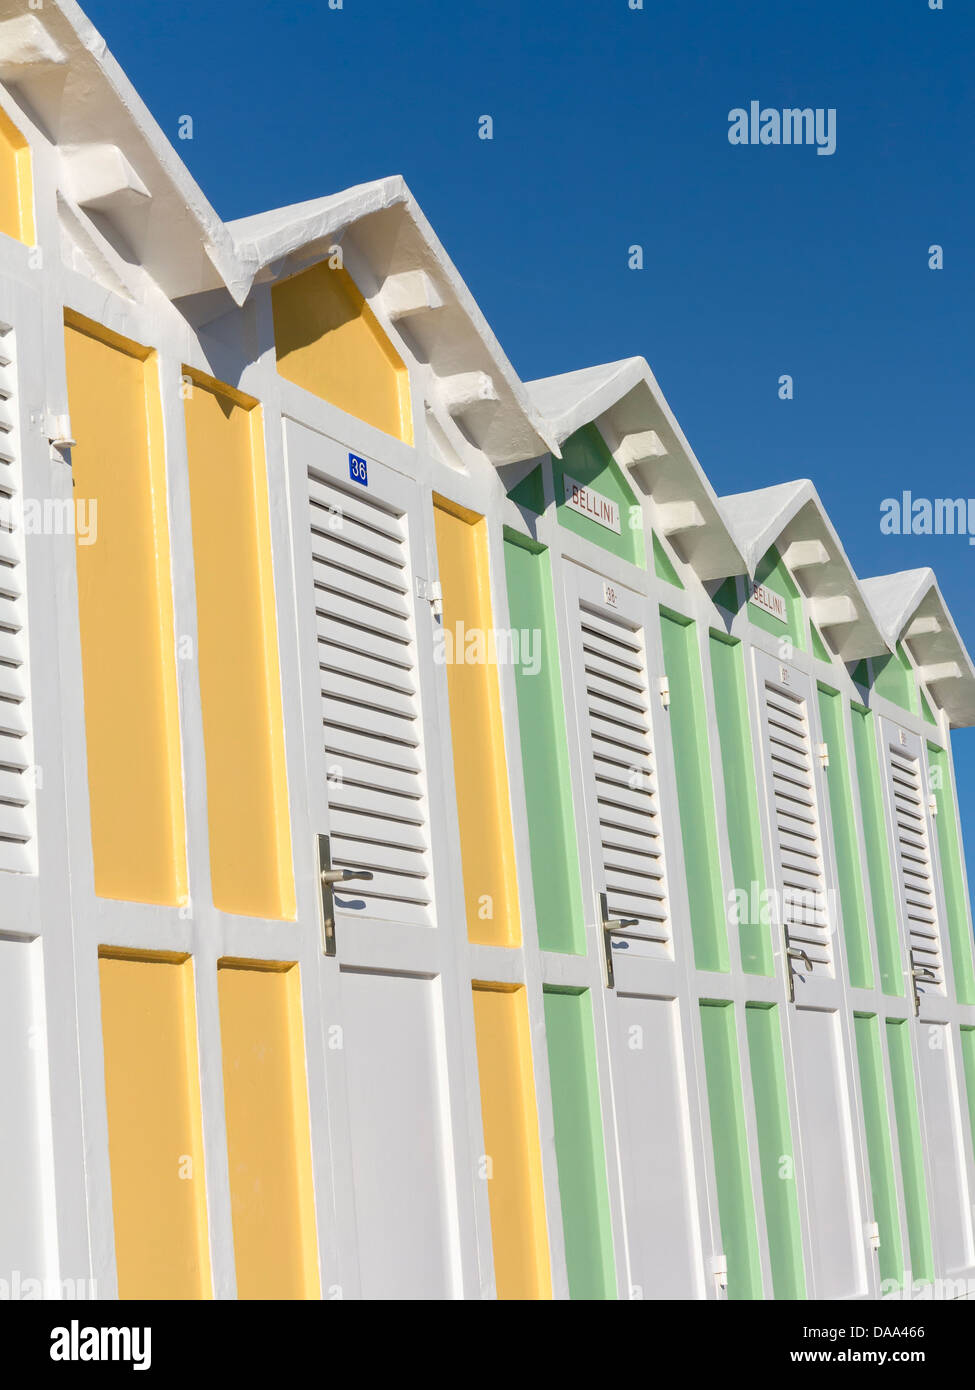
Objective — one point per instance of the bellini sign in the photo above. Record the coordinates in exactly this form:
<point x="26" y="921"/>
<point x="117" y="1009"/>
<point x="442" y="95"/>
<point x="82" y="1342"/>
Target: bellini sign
<point x="770" y="602"/>
<point x="592" y="504"/>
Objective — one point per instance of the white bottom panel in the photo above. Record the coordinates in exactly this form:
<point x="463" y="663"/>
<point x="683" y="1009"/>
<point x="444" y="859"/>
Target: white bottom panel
<point x="393" y="1045"/>
<point x="950" y="1210"/>
<point x="659" y="1199"/>
<point x="826" y="1141"/>
<point x="26" y="1185"/>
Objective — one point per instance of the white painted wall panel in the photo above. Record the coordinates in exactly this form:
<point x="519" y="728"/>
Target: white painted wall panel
<point x="658" y="1167"/>
<point x="950" y="1207"/>
<point x="392" y="1041"/>
<point x="835" y="1223"/>
<point x="26" y="1210"/>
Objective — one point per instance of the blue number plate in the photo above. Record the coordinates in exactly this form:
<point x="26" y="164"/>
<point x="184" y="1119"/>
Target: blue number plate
<point x="358" y="470"/>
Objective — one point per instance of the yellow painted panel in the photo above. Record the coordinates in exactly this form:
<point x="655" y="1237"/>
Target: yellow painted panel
<point x="155" y="1140"/>
<point x="240" y="676"/>
<point x="504" y="1063"/>
<point x="329" y="342"/>
<point x="268" y="1140"/>
<point x="16" y="191"/>
<point x="126" y="618"/>
<point x="480" y="776"/>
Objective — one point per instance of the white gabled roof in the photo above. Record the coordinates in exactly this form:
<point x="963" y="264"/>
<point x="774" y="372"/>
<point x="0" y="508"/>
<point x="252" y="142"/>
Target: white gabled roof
<point x="910" y="609"/>
<point x="119" y="170"/>
<point x="625" y="401"/>
<point x="791" y="517"/>
<point x="113" y="154"/>
<point x="120" y="173"/>
<point x="416" y="282"/>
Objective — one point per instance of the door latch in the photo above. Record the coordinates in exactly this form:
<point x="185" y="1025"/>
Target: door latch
<point x="328" y="877"/>
<point x="431" y="590"/>
<point x="796" y="953"/>
<point x="611" y="927"/>
<point x="920" y="972"/>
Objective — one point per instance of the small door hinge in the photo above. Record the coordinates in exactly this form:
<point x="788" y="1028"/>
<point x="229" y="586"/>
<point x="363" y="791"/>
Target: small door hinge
<point x="663" y="685"/>
<point x="328" y="877"/>
<point x="872" y="1232"/>
<point x="430" y="590"/>
<point x="823" y="752"/>
<point x="933" y="804"/>
<point x="719" y="1270"/>
<point x="58" y="430"/>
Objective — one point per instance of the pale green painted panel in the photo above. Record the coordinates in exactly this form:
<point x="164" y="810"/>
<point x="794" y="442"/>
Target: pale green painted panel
<point x="880" y="1151"/>
<point x="586" y="458"/>
<point x="736" y="1205"/>
<point x="741" y="803"/>
<point x="552" y="840"/>
<point x="775" y="1150"/>
<point x="911" y="1151"/>
<point x="773" y="573"/>
<point x="695" y="792"/>
<point x="579" y="1147"/>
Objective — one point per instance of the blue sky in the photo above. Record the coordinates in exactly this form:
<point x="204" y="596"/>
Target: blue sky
<point x="611" y="129"/>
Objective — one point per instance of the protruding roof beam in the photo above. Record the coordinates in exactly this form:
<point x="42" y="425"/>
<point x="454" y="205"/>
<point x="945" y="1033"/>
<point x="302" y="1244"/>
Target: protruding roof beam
<point x="675" y="518"/>
<point x="833" y="612"/>
<point x="102" y="179"/>
<point x="410" y="292"/>
<point x="923" y="627"/>
<point x="458" y="393"/>
<point x="940" y="671"/>
<point x="25" y="43"/>
<point x="804" y="554"/>
<point x="642" y="447"/>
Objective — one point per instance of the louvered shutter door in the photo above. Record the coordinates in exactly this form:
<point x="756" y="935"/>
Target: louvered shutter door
<point x="370" y="703"/>
<point x="618" y="712"/>
<point x="915" y="874"/>
<point x="794" y="810"/>
<point x="16" y="774"/>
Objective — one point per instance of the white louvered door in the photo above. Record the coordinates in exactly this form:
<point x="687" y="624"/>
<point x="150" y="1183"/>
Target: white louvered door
<point x="613" y="688"/>
<point x="902" y="757"/>
<point x="922" y="912"/>
<point x="17" y="778"/>
<point x="818" y="1026"/>
<point x="804" y="907"/>
<point x="361" y="532"/>
<point x="630" y="843"/>
<point x="370" y="701"/>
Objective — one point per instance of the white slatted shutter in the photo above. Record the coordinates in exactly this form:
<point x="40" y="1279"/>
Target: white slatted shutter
<point x="17" y="849"/>
<point x="796" y="836"/>
<point x="912" y="852"/>
<point x="618" y="717"/>
<point x="370" y="703"/>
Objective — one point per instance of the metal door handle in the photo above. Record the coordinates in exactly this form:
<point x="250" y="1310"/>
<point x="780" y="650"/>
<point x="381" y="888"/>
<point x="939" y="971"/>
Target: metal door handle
<point x="796" y="953"/>
<point x="344" y="875"/>
<point x="920" y="972"/>
<point x="328" y="877"/>
<point x="612" y="926"/>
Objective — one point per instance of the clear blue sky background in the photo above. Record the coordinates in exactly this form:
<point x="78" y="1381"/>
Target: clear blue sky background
<point x="610" y="128"/>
